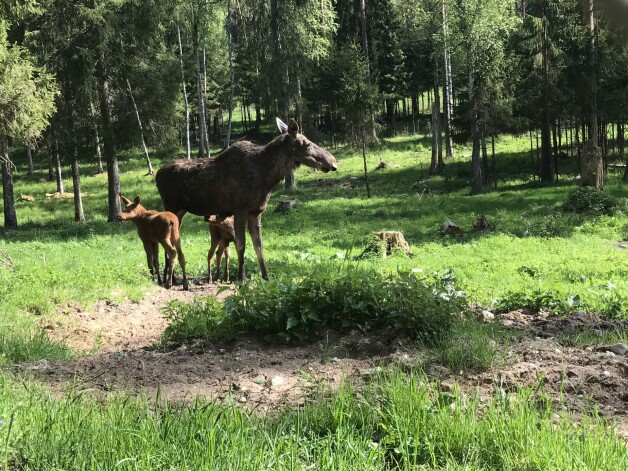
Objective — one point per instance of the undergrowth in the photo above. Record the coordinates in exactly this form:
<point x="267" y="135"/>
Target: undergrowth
<point x="341" y="297"/>
<point x="396" y="422"/>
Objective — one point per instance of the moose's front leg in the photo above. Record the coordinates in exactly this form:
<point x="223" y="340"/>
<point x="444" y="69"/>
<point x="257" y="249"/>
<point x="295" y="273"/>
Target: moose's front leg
<point x="255" y="229"/>
<point x="239" y="223"/>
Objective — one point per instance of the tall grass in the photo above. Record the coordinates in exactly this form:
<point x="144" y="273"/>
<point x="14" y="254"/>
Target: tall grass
<point x="396" y="422"/>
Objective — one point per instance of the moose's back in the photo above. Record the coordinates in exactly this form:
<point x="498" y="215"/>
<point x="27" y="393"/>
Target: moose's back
<point x="223" y="184"/>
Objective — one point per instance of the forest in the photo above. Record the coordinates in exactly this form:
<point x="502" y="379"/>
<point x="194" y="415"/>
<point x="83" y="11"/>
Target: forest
<point x="443" y="282"/>
<point x="85" y="80"/>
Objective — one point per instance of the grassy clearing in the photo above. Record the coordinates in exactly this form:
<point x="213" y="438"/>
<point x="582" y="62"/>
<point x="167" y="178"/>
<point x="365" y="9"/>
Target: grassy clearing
<point x="538" y="255"/>
<point x="396" y="422"/>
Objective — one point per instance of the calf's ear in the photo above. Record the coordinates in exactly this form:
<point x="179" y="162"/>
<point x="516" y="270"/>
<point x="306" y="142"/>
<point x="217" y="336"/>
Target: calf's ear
<point x="126" y="201"/>
<point x="283" y="127"/>
<point x="137" y="200"/>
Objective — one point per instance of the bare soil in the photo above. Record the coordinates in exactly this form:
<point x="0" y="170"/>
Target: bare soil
<point x="265" y="377"/>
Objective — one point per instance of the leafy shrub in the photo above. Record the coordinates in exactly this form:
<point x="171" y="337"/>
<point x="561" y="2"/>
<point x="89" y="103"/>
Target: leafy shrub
<point x="537" y="300"/>
<point x="589" y="201"/>
<point x="339" y="298"/>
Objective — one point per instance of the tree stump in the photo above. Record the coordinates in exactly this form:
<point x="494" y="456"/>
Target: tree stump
<point x="285" y="206"/>
<point x="393" y="240"/>
<point x="482" y="224"/>
<point x="592" y="171"/>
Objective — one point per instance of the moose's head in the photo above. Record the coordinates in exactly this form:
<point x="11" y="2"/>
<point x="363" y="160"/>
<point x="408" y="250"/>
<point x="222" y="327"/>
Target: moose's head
<point x="305" y="151"/>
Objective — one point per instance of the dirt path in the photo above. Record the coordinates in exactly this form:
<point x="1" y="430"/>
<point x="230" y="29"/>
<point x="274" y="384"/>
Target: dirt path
<point x="265" y="377"/>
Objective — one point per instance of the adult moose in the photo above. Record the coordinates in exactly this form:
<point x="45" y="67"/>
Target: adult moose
<point x="238" y="182"/>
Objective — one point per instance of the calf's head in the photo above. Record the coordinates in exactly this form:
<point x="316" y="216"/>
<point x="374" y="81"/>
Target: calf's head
<point x="131" y="209"/>
<point x="305" y="151"/>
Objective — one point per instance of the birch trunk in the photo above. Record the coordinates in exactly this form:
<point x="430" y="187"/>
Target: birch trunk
<point x="439" y="122"/>
<point x="448" y="107"/>
<point x="79" y="215"/>
<point x="58" y="175"/>
<point x="185" y="99"/>
<point x="96" y="137"/>
<point x="10" y="216"/>
<point x="139" y="124"/>
<point x="203" y="150"/>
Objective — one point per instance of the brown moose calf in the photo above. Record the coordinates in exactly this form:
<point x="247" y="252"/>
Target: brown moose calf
<point x="156" y="228"/>
<point x="222" y="233"/>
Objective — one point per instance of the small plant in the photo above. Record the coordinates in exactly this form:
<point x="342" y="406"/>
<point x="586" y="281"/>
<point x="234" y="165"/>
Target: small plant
<point x="472" y="346"/>
<point x="587" y="200"/>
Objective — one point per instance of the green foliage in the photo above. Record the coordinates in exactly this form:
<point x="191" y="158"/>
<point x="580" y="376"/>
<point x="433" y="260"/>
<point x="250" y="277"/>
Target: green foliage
<point x="27" y="92"/>
<point x="297" y="306"/>
<point x="587" y="200"/>
<point x="398" y="421"/>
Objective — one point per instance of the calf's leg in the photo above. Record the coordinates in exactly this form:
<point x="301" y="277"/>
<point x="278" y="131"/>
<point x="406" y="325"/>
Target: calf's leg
<point x="210" y="254"/>
<point x="148" y="248"/>
<point x="155" y="247"/>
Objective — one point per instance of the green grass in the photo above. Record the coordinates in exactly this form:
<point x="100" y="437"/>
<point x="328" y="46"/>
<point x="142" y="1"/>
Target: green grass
<point x="398" y="421"/>
<point x="538" y="255"/>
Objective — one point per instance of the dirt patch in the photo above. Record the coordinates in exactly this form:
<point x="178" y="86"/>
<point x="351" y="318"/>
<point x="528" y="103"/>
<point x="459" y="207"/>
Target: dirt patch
<point x="111" y="326"/>
<point x="264" y="377"/>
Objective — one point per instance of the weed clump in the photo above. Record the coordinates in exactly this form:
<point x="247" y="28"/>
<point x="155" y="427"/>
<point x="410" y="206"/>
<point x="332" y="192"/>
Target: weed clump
<point x="424" y="307"/>
<point x="587" y="200"/>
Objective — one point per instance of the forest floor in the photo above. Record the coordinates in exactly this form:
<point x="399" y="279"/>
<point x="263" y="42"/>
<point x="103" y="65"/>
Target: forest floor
<point x="122" y="352"/>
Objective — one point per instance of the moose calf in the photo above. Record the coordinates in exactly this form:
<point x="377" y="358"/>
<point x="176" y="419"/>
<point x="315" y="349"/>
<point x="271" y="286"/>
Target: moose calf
<point x="222" y="233"/>
<point x="156" y="228"/>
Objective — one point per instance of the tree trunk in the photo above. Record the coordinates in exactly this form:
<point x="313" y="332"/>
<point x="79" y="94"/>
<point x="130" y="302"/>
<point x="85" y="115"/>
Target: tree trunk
<point x="448" y="107"/>
<point x="58" y="175"/>
<point x="434" y="162"/>
<point x="547" y="162"/>
<point x="591" y="170"/>
<point x="29" y="156"/>
<point x="365" y="51"/>
<point x="96" y="137"/>
<point x="366" y="175"/>
<point x="113" y="173"/>
<point x="476" y="163"/>
<point x="439" y="121"/>
<point x="185" y="99"/>
<point x="203" y="148"/>
<point x="10" y="216"/>
<point x="231" y="74"/>
<point x="139" y="124"/>
<point x="79" y="215"/>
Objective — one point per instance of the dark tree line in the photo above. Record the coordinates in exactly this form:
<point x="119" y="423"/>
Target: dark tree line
<point x="161" y="74"/>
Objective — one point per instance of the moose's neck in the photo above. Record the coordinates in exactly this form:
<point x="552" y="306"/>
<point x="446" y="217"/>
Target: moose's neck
<point x="275" y="161"/>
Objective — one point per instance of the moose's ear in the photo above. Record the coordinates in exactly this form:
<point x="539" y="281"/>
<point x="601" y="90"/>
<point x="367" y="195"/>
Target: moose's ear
<point x="293" y="127"/>
<point x="283" y="127"/>
<point x="137" y="200"/>
<point x="126" y="201"/>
